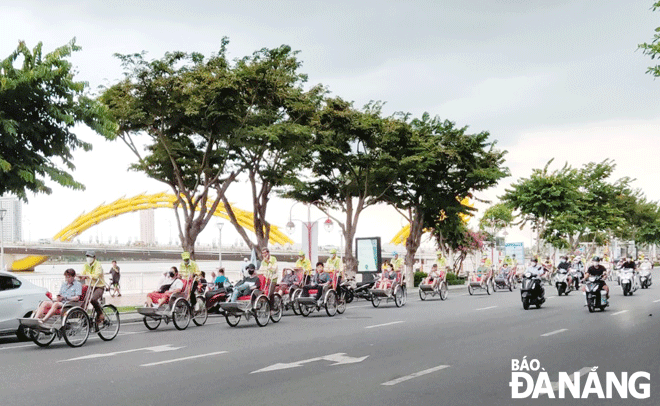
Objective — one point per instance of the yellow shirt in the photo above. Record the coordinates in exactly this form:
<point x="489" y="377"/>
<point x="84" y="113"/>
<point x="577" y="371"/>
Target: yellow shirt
<point x="398" y="264"/>
<point x="442" y="263"/>
<point x="334" y="265"/>
<point x="269" y="268"/>
<point x="305" y="265"/>
<point x="95" y="272"/>
<point x="186" y="271"/>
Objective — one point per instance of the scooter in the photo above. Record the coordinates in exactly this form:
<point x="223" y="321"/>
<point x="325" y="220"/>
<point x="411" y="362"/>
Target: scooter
<point x="596" y="298"/>
<point x="561" y="282"/>
<point x="528" y="291"/>
<point x="363" y="289"/>
<point x="628" y="284"/>
<point x="217" y="296"/>
<point x="645" y="277"/>
<point x="577" y="276"/>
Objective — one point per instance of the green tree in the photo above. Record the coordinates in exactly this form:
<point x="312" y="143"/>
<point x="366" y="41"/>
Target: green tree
<point x="40" y="103"/>
<point x="185" y="109"/>
<point x="437" y="165"/>
<point x="496" y="218"/>
<point x="542" y="197"/>
<point x="653" y="49"/>
<point x="275" y="136"/>
<point x="346" y="169"/>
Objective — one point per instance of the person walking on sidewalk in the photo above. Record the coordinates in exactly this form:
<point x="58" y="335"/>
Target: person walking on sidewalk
<point x="114" y="282"/>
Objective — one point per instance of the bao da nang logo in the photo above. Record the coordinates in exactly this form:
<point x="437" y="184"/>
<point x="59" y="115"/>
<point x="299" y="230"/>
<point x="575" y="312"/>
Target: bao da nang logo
<point x="584" y="384"/>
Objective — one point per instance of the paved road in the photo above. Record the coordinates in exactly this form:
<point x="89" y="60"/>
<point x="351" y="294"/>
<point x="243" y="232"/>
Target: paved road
<point x="456" y="352"/>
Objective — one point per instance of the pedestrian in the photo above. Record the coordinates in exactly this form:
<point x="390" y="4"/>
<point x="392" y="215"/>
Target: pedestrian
<point x="114" y="282"/>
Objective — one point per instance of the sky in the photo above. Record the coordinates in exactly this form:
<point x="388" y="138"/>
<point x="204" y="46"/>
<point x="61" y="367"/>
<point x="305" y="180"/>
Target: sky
<point x="547" y="79"/>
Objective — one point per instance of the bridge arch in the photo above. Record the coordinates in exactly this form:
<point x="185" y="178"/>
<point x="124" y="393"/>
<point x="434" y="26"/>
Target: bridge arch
<point x="140" y="202"/>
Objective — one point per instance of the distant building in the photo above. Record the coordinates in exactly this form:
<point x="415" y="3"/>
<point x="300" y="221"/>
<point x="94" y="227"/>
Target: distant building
<point x="147" y="227"/>
<point x="12" y="230"/>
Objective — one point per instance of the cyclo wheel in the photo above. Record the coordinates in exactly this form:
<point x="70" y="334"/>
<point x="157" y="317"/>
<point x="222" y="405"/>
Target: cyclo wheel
<point x="443" y="290"/>
<point x="470" y="289"/>
<point x="295" y="306"/>
<point x="331" y="303"/>
<point x="349" y="295"/>
<point x="110" y="327"/>
<point x="262" y="311"/>
<point x="404" y="297"/>
<point x="200" y="314"/>
<point x="422" y="294"/>
<point x="341" y="302"/>
<point x="276" y="309"/>
<point x="398" y="296"/>
<point x="42" y="339"/>
<point x="232" y="319"/>
<point x="151" y="323"/>
<point x="375" y="300"/>
<point x="304" y="309"/>
<point x="181" y="314"/>
<point x="76" y="326"/>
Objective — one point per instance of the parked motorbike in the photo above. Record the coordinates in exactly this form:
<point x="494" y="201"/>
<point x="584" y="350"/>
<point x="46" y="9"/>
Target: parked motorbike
<point x="217" y="296"/>
<point x="561" y="282"/>
<point x="628" y="284"/>
<point x="362" y="289"/>
<point x="529" y="291"/>
<point x="596" y="298"/>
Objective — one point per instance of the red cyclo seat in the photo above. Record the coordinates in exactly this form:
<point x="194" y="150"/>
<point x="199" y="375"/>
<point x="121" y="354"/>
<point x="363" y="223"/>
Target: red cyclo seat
<point x="262" y="283"/>
<point x="84" y="292"/>
<point x="313" y="291"/>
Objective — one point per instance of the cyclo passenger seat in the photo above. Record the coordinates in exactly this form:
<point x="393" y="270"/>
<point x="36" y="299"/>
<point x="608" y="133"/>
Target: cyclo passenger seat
<point x="262" y="282"/>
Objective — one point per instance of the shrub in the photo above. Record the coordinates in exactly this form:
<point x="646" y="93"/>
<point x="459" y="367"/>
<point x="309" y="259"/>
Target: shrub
<point x="453" y="279"/>
<point x="419" y="275"/>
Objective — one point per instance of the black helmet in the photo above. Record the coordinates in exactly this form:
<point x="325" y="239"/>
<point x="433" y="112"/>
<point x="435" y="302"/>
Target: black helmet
<point x="596" y="259"/>
<point x="250" y="267"/>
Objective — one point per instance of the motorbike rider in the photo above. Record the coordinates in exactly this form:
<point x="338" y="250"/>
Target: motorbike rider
<point x="536" y="270"/>
<point x="563" y="267"/>
<point x="629" y="263"/>
<point x="596" y="269"/>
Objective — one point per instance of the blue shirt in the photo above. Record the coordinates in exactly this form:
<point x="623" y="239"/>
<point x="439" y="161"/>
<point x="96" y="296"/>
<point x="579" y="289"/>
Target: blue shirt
<point x="68" y="291"/>
<point x="220" y="280"/>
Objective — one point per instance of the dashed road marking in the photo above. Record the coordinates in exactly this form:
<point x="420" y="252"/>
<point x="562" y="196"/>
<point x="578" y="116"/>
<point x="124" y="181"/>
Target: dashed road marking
<point x="621" y="312"/>
<point x="385" y="324"/>
<point x="554" y="332"/>
<point x="486" y="308"/>
<point x="183" y="359"/>
<point x="415" y="375"/>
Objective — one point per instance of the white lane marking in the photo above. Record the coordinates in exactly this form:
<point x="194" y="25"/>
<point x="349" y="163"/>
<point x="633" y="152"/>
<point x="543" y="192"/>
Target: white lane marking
<point x="385" y="324"/>
<point x="415" y="375"/>
<point x="17" y="346"/>
<point x="551" y="297"/>
<point x="486" y="308"/>
<point x="555" y="385"/>
<point x="621" y="312"/>
<point x="184" y="358"/>
<point x="656" y="301"/>
<point x="158" y="348"/>
<point x="554" y="332"/>
<point x="339" y="358"/>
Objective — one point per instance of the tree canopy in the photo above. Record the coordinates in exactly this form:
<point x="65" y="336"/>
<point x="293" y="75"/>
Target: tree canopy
<point x="40" y="104"/>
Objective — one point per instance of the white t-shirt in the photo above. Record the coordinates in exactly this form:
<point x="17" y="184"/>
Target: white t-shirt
<point x="176" y="285"/>
<point x="534" y="270"/>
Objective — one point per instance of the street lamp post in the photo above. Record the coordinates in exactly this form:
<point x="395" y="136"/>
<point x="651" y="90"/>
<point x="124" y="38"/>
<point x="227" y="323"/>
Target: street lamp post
<point x="309" y="226"/>
<point x="2" y="239"/>
<point x="220" y="224"/>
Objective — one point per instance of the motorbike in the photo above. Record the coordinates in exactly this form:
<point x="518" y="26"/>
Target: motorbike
<point x="217" y="296"/>
<point x="561" y="282"/>
<point x="577" y="276"/>
<point x="628" y="284"/>
<point x="645" y="277"/>
<point x="529" y="292"/>
<point x="361" y="289"/>
<point x="596" y="298"/>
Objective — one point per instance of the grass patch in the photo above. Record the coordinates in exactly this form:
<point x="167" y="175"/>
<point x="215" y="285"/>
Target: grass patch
<point x="126" y="309"/>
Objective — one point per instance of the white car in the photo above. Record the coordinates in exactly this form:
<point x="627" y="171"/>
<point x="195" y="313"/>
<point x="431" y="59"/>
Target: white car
<point x="18" y="298"/>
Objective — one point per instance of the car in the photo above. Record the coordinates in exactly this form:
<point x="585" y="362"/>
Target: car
<point x="18" y="298"/>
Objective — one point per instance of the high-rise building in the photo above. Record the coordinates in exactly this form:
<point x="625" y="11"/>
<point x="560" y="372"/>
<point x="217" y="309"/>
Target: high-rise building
<point x="12" y="220"/>
<point x="147" y="227"/>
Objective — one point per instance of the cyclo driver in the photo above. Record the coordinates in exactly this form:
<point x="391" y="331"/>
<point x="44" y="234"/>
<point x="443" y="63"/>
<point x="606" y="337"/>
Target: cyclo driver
<point x="598" y="270"/>
<point x="189" y="270"/>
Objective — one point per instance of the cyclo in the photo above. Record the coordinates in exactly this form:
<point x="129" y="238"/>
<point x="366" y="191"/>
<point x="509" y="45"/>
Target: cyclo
<point x="263" y="305"/>
<point x="290" y="293"/>
<point x="332" y="302"/>
<point x="481" y="279"/>
<point x="397" y="292"/>
<point x="434" y="286"/>
<point x="506" y="279"/>
<point x="73" y="323"/>
<point x="177" y="309"/>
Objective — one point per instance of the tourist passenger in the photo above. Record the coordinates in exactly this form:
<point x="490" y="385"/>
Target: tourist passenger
<point x="71" y="291"/>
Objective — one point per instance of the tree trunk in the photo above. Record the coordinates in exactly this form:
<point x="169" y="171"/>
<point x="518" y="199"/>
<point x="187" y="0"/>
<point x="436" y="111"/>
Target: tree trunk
<point x="412" y="245"/>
